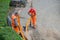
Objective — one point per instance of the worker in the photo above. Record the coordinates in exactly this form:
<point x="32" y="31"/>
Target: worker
<point x="15" y="22"/>
<point x="32" y="13"/>
<point x="17" y="26"/>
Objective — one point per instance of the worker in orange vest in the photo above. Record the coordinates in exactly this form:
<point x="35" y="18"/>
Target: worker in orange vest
<point x="32" y="13"/>
<point x="15" y="21"/>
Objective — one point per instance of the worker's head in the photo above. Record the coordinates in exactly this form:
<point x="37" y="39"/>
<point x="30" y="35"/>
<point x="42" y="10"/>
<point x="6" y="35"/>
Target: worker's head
<point x="16" y="14"/>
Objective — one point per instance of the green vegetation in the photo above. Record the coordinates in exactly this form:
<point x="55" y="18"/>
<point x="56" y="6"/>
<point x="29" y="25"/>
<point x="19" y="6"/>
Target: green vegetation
<point x="6" y="32"/>
<point x="4" y="5"/>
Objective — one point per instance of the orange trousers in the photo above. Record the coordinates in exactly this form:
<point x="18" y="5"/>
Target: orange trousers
<point x="15" y="28"/>
<point x="33" y="20"/>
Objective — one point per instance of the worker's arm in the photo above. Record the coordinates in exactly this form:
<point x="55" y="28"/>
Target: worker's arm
<point x="34" y="14"/>
<point x="29" y="13"/>
<point x="15" y="21"/>
<point x="16" y="24"/>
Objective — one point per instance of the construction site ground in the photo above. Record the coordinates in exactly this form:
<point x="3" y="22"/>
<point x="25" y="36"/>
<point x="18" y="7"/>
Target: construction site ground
<point x="48" y="20"/>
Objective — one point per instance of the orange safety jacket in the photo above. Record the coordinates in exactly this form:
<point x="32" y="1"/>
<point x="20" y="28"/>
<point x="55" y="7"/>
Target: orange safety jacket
<point x="16" y="28"/>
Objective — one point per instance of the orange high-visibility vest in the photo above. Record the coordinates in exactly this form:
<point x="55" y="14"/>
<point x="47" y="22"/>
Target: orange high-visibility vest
<point x="13" y="23"/>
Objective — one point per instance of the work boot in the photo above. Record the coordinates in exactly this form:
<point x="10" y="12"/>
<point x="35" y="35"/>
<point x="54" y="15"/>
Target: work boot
<point x="24" y="28"/>
<point x="34" y="26"/>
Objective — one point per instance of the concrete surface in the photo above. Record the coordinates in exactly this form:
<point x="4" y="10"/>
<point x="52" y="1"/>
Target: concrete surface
<point x="48" y="14"/>
<point x="48" y="19"/>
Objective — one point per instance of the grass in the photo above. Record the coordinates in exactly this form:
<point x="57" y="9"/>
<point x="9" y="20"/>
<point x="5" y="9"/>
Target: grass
<point x="4" y="5"/>
<point x="6" y="32"/>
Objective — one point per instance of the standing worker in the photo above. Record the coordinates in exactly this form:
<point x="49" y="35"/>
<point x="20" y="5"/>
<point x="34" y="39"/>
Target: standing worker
<point x="32" y="13"/>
